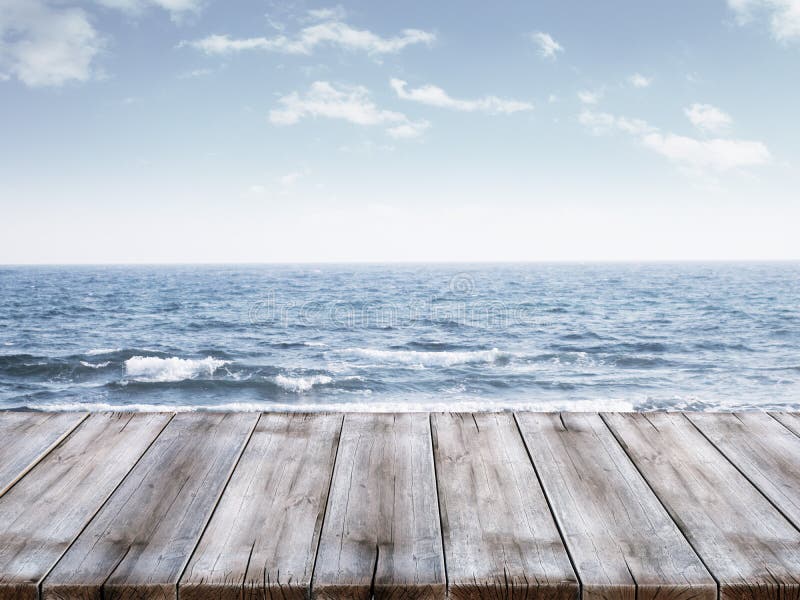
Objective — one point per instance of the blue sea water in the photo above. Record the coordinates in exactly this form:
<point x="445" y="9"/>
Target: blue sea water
<point x="410" y="337"/>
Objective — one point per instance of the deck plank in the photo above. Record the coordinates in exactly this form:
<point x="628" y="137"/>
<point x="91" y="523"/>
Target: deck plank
<point x="26" y="437"/>
<point x="749" y="547"/>
<point x="262" y="540"/>
<point x="765" y="451"/>
<point x="500" y="539"/>
<point x="140" y="541"/>
<point x="623" y="543"/>
<point x="381" y="535"/>
<point x="44" y="512"/>
<point x="789" y="420"/>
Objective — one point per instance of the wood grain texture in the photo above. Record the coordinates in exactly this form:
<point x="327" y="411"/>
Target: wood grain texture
<point x="623" y="543"/>
<point x="140" y="541"/>
<point x="500" y="540"/>
<point x="262" y="539"/>
<point x="381" y="535"/>
<point x="749" y="547"/>
<point x="44" y="512"/>
<point x="26" y="437"/>
<point x="765" y="451"/>
<point x="789" y="420"/>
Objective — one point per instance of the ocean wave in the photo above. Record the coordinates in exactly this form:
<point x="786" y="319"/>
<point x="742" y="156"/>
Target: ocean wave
<point x="99" y="351"/>
<point x="472" y="405"/>
<point x="301" y="384"/>
<point x="430" y="358"/>
<point x="152" y="369"/>
<point x="100" y="365"/>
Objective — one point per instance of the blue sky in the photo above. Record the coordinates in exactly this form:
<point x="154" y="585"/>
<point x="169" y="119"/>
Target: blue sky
<point x="253" y="131"/>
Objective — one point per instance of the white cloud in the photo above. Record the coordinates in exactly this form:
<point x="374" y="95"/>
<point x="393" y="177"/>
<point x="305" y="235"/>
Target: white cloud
<point x="349" y="103"/>
<point x="588" y="97"/>
<point x="601" y="123"/>
<point x="783" y="16"/>
<point x="290" y="179"/>
<point x="177" y="8"/>
<point x="436" y="96"/>
<point x="640" y="81"/>
<point x="716" y="154"/>
<point x="44" y="45"/>
<point x="708" y="118"/>
<point x="257" y="190"/>
<point x="548" y="47"/>
<point x="336" y="13"/>
<point x="411" y="129"/>
<point x="694" y="155"/>
<point x="332" y="31"/>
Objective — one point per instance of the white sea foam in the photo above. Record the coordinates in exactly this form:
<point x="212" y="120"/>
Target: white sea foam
<point x="476" y="405"/>
<point x="98" y="351"/>
<point x="427" y="358"/>
<point x="154" y="369"/>
<point x="302" y="384"/>
<point x="96" y="365"/>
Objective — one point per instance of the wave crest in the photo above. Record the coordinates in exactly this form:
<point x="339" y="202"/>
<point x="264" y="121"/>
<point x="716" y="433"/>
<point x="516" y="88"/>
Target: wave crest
<point x="301" y="384"/>
<point x="151" y="369"/>
<point x="430" y="358"/>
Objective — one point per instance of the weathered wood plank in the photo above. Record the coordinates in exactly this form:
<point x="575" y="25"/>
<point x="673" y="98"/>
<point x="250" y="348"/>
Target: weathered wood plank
<point x="623" y="543"/>
<point x="261" y="542"/>
<point x="765" y="451"/>
<point x="381" y="535"/>
<point x="500" y="539"/>
<point x="789" y="420"/>
<point x="45" y="511"/>
<point x="26" y="437"/>
<point x="749" y="547"/>
<point x="140" y="541"/>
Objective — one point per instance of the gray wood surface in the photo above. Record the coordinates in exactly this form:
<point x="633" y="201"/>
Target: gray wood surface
<point x="623" y="543"/>
<point x="381" y="534"/>
<point x="26" y="437"/>
<point x="789" y="420"/>
<point x="140" y="541"/>
<point x="749" y="547"/>
<point x="500" y="540"/>
<point x="45" y="511"/>
<point x="765" y="451"/>
<point x="262" y="540"/>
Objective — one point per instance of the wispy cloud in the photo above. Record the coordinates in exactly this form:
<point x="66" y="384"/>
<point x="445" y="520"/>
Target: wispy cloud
<point x="349" y="103"/>
<point x="601" y="123"/>
<point x="694" y="155"/>
<point x="46" y="45"/>
<point x="331" y="31"/>
<point x="548" y="47"/>
<point x="640" y="81"/>
<point x="290" y="179"/>
<point x="177" y="8"/>
<point x="195" y="73"/>
<point x="783" y="16"/>
<point x="590" y="97"/>
<point x="708" y="118"/>
<point x="435" y="96"/>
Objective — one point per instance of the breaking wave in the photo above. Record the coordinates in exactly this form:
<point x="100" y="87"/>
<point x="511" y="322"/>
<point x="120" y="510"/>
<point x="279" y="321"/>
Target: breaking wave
<point x="301" y="384"/>
<point x="429" y="359"/>
<point x="151" y="369"/>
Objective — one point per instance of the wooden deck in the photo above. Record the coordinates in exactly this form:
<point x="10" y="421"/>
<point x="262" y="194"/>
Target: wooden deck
<point x="499" y="506"/>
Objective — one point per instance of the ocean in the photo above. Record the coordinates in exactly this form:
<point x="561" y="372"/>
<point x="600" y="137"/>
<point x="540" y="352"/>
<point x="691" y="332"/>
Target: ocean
<point x="580" y="337"/>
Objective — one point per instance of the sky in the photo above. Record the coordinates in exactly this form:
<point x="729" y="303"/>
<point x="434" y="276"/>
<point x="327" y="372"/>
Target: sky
<point x="150" y="131"/>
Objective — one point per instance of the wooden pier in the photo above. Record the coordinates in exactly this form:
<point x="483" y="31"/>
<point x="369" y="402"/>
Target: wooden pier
<point x="500" y="506"/>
